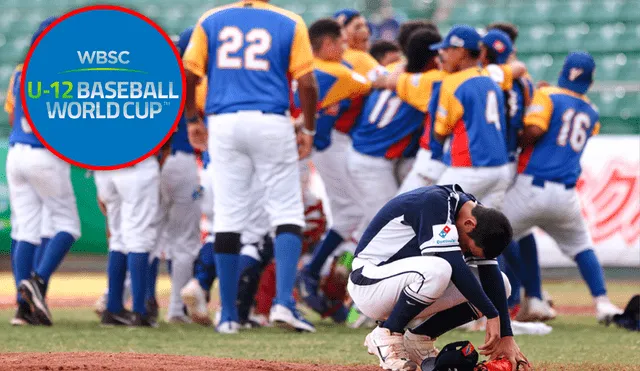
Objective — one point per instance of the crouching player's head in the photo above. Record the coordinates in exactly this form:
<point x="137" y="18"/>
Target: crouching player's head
<point x="483" y="232"/>
<point x="328" y="40"/>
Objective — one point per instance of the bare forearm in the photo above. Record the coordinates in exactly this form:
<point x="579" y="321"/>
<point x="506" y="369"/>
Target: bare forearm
<point x="190" y="106"/>
<point x="309" y="103"/>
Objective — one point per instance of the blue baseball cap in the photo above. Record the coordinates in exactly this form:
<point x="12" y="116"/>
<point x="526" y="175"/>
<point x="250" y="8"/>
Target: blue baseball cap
<point x="183" y="40"/>
<point x="460" y="36"/>
<point x="42" y="27"/>
<point x="577" y="72"/>
<point x="345" y="16"/>
<point x="500" y="43"/>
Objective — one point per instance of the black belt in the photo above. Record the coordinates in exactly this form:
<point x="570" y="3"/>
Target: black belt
<point x="539" y="182"/>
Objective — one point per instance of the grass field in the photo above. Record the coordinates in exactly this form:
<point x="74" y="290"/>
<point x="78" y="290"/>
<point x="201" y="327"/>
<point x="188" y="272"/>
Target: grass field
<point x="576" y="343"/>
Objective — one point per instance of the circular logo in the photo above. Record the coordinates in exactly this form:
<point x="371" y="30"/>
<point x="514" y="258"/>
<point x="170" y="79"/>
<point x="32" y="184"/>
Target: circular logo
<point x="103" y="87"/>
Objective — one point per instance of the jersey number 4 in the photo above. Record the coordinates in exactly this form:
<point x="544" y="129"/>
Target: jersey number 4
<point x="232" y="39"/>
<point x="491" y="111"/>
<point x="390" y="107"/>
<point x="574" y="128"/>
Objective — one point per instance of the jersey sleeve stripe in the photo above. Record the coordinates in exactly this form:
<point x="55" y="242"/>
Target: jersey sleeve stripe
<point x="439" y="249"/>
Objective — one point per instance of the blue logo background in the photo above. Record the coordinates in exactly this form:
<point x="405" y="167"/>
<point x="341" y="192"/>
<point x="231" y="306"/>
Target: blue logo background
<point x="103" y="142"/>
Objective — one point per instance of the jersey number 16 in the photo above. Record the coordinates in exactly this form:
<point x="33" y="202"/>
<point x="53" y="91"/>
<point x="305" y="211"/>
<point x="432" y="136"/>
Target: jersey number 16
<point x="232" y="40"/>
<point x="574" y="128"/>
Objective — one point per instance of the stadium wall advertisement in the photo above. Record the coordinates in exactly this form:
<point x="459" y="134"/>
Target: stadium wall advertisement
<point x="609" y="190"/>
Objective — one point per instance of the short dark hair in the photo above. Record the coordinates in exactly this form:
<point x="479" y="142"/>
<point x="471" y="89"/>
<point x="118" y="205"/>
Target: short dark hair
<point x="407" y="28"/>
<point x="475" y="54"/>
<point x="380" y="48"/>
<point x="506" y="27"/>
<point x="419" y="53"/>
<point x="492" y="56"/>
<point x="493" y="232"/>
<point x="325" y="27"/>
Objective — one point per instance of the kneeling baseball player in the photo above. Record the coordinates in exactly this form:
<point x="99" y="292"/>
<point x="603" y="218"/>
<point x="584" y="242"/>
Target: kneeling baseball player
<point x="428" y="258"/>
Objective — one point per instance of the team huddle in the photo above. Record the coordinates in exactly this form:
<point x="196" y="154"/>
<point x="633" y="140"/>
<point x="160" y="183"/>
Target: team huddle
<point x="438" y="156"/>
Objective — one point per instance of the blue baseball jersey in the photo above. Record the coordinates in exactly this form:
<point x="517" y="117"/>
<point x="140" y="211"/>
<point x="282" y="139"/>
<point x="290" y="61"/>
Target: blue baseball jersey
<point x="252" y="50"/>
<point x="471" y="112"/>
<point x="420" y="222"/>
<point x="568" y="120"/>
<point x="21" y="131"/>
<point x="517" y="100"/>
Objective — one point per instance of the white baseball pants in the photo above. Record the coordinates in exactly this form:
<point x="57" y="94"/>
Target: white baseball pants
<point x="331" y="163"/>
<point x="132" y="198"/>
<point x="427" y="278"/>
<point x="425" y="172"/>
<point x="246" y="143"/>
<point x="487" y="184"/>
<point x="553" y="208"/>
<point x="37" y="179"/>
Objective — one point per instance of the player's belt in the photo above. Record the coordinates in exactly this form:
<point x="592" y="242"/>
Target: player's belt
<point x="539" y="182"/>
<point x="280" y="113"/>
<point x="174" y="151"/>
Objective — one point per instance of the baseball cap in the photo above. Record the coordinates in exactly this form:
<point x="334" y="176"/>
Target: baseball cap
<point x="183" y="40"/>
<point x="42" y="27"/>
<point x="461" y="36"/>
<point x="345" y="16"/>
<point x="460" y="356"/>
<point x="577" y="72"/>
<point x="500" y="43"/>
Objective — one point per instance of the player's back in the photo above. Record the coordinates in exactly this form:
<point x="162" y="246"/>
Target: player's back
<point x="252" y="48"/>
<point x="21" y="131"/>
<point x="570" y="120"/>
<point x="478" y="138"/>
<point x="517" y="99"/>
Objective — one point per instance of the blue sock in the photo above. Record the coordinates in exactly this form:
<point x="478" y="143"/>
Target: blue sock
<point x="13" y="259"/>
<point x="56" y="250"/>
<point x="513" y="280"/>
<point x="246" y="262"/>
<point x="406" y="309"/>
<point x="320" y="255"/>
<point x="23" y="257"/>
<point x="117" y="272"/>
<point x="205" y="268"/>
<point x="228" y="276"/>
<point x="37" y="257"/>
<point x="138" y="263"/>
<point x="445" y="321"/>
<point x="152" y="278"/>
<point x="530" y="277"/>
<point x="591" y="272"/>
<point x="287" y="249"/>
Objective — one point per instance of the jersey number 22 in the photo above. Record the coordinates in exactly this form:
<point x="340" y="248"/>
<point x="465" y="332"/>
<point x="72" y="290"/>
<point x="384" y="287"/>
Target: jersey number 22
<point x="232" y="39"/>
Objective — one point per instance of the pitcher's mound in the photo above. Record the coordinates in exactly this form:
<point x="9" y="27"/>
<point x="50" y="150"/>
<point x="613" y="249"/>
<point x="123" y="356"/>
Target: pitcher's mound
<point x="151" y="362"/>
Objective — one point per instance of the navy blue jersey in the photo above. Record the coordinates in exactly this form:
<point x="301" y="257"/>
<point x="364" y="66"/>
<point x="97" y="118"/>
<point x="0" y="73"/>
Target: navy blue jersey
<point x="420" y="222"/>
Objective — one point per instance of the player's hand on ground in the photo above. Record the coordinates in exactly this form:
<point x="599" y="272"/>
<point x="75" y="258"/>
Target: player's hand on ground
<point x="305" y="142"/>
<point x="491" y="338"/>
<point x="198" y="135"/>
<point x="508" y="349"/>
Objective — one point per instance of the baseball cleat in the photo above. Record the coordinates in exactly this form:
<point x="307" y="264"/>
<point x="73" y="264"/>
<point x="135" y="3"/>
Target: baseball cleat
<point x="32" y="291"/>
<point x="100" y="305"/>
<point x="290" y="318"/>
<point x="419" y="347"/>
<point x="142" y="320"/>
<point x="152" y="307"/>
<point x="390" y="350"/>
<point x="307" y="285"/>
<point x="605" y="310"/>
<point x="123" y="318"/>
<point x="228" y="328"/>
<point x="179" y="320"/>
<point x="534" y="310"/>
<point x="260" y="319"/>
<point x="195" y="299"/>
<point x="23" y="316"/>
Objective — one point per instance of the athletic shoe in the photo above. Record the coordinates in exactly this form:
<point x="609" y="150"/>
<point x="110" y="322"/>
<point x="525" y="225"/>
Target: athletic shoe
<point x="261" y="319"/>
<point x="179" y="320"/>
<point x="124" y="318"/>
<point x="195" y="298"/>
<point x="24" y="316"/>
<point x="530" y="328"/>
<point x="419" y="347"/>
<point x="228" y="328"/>
<point x="390" y="350"/>
<point x="152" y="307"/>
<point x="307" y="285"/>
<point x="100" y="305"/>
<point x="605" y="310"/>
<point x="534" y="310"/>
<point x="142" y="320"/>
<point x="289" y="317"/>
<point x="32" y="291"/>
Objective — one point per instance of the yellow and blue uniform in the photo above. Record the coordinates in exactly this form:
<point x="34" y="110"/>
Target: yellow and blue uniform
<point x="21" y="131"/>
<point x="517" y="99"/>
<point x="568" y="120"/>
<point x="338" y="86"/>
<point x="392" y="122"/>
<point x="364" y="64"/>
<point x="252" y="50"/>
<point x="471" y="111"/>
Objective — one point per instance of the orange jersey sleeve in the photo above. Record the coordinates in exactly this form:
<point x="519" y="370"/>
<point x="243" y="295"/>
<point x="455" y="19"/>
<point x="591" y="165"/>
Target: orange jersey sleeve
<point x="201" y="95"/>
<point x="10" y="101"/>
<point x="502" y="75"/>
<point x="348" y="83"/>
<point x="196" y="55"/>
<point x="596" y="129"/>
<point x="540" y="110"/>
<point x="450" y="110"/>
<point x="301" y="59"/>
<point x="363" y="63"/>
<point x="415" y="88"/>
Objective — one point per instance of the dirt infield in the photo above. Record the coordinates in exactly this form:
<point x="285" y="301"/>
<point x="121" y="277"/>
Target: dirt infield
<point x="155" y="362"/>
